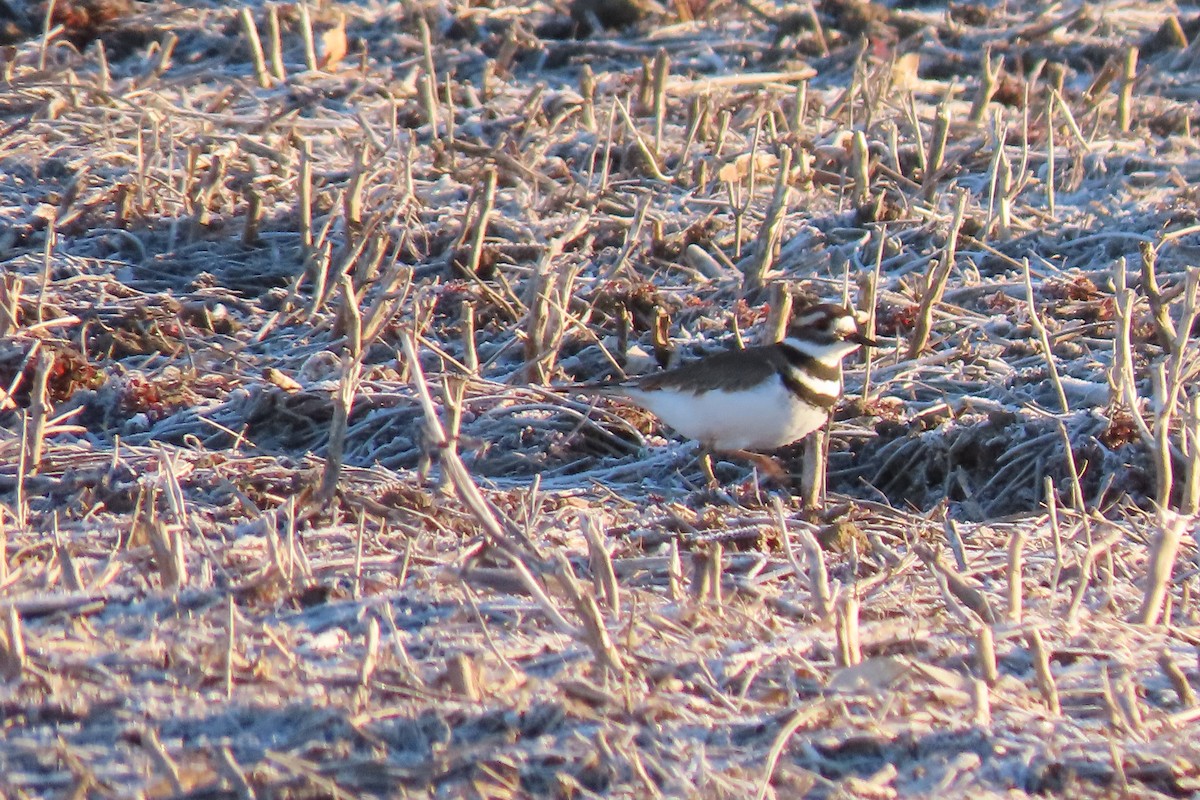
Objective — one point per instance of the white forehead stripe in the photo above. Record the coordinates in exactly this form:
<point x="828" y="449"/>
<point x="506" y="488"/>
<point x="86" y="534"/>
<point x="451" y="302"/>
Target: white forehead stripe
<point x="810" y="318"/>
<point x="846" y="324"/>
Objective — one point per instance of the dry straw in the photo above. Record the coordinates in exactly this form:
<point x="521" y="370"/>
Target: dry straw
<point x="247" y="292"/>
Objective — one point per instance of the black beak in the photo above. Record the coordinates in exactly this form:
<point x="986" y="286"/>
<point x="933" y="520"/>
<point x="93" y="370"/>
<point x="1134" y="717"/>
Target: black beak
<point x="861" y="338"/>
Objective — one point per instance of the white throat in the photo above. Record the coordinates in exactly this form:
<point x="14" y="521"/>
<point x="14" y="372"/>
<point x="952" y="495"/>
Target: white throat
<point x="828" y="353"/>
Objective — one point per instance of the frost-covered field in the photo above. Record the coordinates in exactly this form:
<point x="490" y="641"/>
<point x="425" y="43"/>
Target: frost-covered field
<point x="290" y="507"/>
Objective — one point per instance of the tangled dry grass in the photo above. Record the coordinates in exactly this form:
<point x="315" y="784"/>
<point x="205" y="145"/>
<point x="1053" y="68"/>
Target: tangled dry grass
<point x="290" y="507"/>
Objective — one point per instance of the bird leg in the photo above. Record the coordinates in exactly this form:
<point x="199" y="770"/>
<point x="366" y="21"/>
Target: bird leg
<point x="766" y="465"/>
<point x="706" y="465"/>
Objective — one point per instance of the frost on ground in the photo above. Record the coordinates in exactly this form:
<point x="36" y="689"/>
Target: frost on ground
<point x="290" y="506"/>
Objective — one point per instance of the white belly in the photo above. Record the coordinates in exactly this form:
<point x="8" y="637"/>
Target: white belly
<point x="762" y="418"/>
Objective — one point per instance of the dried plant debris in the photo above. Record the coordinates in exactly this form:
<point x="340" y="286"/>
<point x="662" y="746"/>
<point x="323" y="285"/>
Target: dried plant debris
<point x="293" y="502"/>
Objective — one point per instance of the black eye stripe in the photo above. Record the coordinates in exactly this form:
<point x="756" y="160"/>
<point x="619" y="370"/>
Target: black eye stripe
<point x="822" y="319"/>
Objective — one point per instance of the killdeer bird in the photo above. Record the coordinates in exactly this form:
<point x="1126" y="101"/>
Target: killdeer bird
<point x="760" y="398"/>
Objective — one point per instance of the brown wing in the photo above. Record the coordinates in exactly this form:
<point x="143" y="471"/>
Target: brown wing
<point x="731" y="371"/>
